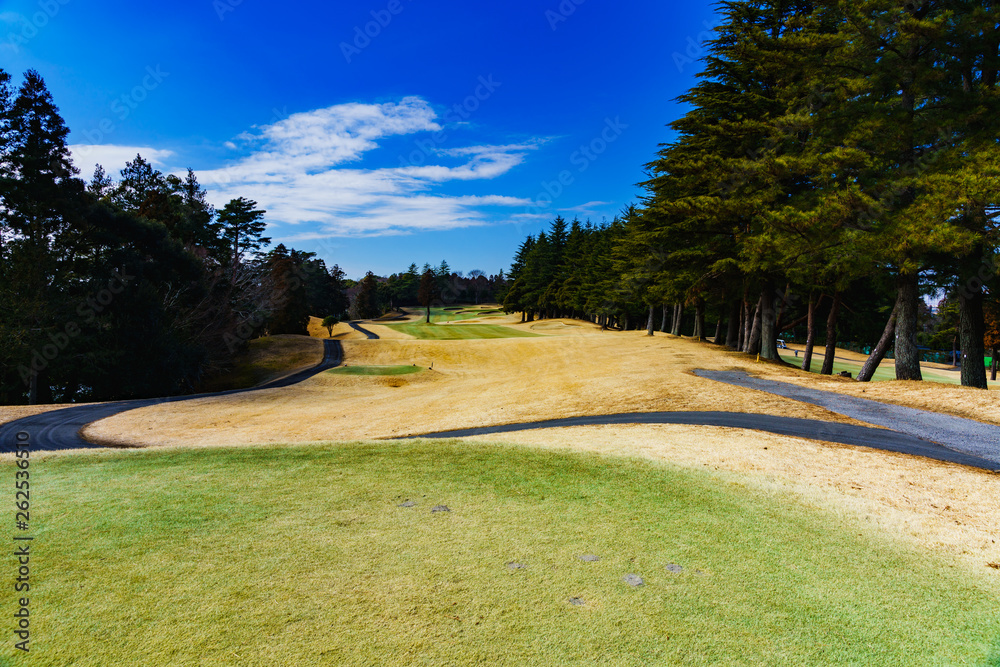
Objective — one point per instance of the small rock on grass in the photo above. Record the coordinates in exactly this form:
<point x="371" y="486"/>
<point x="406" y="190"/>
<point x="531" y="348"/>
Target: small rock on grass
<point x="577" y="602"/>
<point x="517" y="566"/>
<point x="589" y="558"/>
<point x="633" y="580"/>
<point x="675" y="568"/>
<point x="408" y="503"/>
<point x="440" y="508"/>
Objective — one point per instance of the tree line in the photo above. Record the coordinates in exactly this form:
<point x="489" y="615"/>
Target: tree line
<point x="374" y="296"/>
<point x="838" y="162"/>
<point x="131" y="287"/>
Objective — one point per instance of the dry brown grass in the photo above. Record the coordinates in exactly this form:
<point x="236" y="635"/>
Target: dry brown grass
<point x="343" y="331"/>
<point x="9" y="413"/>
<point x="474" y="383"/>
<point x="267" y="359"/>
<point x="947" y="508"/>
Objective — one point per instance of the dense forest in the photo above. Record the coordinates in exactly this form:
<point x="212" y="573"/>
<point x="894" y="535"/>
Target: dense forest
<point x="838" y="163"/>
<point x="133" y="287"/>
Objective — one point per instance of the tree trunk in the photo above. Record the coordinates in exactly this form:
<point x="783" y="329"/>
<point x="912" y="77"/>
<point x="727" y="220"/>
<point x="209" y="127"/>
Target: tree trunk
<point x="625" y="323"/>
<point x="428" y="320"/>
<point x="807" y="355"/>
<point x="664" y="325"/>
<point x="907" y="354"/>
<point x="993" y="367"/>
<point x="878" y="354"/>
<point x="678" y="314"/>
<point x="831" y="336"/>
<point x="699" y="320"/>
<point x="649" y="324"/>
<point x="753" y="339"/>
<point x="783" y="307"/>
<point x="768" y="324"/>
<point x="972" y="329"/>
<point x="733" y="332"/>
<point x="744" y="323"/>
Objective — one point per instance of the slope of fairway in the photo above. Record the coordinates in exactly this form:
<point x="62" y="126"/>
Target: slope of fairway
<point x="267" y="359"/>
<point x="375" y="370"/>
<point x="459" y="331"/>
<point x="334" y="555"/>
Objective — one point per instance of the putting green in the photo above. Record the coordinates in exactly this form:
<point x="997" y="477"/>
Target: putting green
<point x="332" y="554"/>
<point x="375" y="370"/>
<point x="459" y="313"/>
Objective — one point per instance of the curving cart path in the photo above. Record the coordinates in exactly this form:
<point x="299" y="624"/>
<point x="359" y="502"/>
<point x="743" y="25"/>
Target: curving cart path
<point x="371" y="336"/>
<point x="60" y="429"/>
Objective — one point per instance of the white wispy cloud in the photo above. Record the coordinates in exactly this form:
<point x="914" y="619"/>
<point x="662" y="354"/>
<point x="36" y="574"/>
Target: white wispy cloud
<point x="589" y="207"/>
<point x="299" y="169"/>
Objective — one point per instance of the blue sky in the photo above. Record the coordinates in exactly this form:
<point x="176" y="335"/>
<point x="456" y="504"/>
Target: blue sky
<point x="442" y="133"/>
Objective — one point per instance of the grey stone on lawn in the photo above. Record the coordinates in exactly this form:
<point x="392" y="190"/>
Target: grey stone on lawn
<point x="589" y="558"/>
<point x="675" y="568"/>
<point x="408" y="503"/>
<point x="633" y="580"/>
<point x="577" y="602"/>
<point x="441" y="508"/>
<point x="517" y="566"/>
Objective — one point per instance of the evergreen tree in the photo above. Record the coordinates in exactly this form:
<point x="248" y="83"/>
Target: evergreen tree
<point x="242" y="228"/>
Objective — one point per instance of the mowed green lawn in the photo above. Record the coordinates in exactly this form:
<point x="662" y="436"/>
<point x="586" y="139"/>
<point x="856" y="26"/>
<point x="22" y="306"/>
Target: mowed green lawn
<point x="317" y="555"/>
<point x="459" y="313"/>
<point x="433" y="331"/>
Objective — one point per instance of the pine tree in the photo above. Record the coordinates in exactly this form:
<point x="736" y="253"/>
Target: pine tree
<point x="242" y="227"/>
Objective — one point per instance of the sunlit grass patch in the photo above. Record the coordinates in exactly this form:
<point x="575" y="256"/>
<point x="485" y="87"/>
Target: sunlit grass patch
<point x="333" y="554"/>
<point x="433" y="331"/>
<point x="375" y="370"/>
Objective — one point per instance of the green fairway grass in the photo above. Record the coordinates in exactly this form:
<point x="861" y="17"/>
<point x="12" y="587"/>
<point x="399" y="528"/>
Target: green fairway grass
<point x="459" y="313"/>
<point x="460" y="331"/>
<point x="305" y="556"/>
<point x="375" y="370"/>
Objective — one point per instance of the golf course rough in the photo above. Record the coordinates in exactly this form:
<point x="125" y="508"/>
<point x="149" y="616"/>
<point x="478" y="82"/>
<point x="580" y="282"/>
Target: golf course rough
<point x="156" y="549"/>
